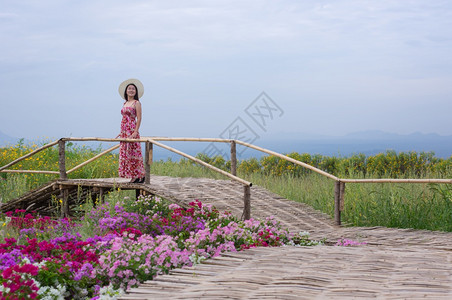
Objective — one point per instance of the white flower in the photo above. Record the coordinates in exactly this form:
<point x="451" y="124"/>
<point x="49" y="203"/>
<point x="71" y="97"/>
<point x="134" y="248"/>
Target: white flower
<point x="109" y="293"/>
<point x="26" y="260"/>
<point x="196" y="259"/>
<point x="51" y="293"/>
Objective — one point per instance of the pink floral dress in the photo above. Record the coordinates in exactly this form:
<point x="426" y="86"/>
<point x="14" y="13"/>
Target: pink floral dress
<point x="130" y="157"/>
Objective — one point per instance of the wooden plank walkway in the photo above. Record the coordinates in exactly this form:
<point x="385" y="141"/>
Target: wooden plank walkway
<point x="395" y="264"/>
<point x="322" y="272"/>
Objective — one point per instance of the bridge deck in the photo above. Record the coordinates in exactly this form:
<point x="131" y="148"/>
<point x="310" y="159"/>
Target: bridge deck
<point x="395" y="264"/>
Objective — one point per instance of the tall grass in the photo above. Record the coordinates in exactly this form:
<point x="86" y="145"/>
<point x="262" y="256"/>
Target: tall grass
<point x="420" y="206"/>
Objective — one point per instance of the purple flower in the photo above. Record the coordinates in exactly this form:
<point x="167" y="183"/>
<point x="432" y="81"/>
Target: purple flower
<point x="66" y="238"/>
<point x="86" y="270"/>
<point x="10" y="259"/>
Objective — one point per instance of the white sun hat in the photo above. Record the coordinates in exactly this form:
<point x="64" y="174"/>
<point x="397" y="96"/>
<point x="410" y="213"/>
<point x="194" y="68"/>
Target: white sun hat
<point x="125" y="83"/>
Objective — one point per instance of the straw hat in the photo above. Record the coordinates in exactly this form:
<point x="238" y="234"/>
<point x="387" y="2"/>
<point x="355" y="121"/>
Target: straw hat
<point x="125" y="83"/>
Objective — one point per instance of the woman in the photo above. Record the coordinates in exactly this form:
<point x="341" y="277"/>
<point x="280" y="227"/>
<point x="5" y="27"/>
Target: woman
<point x="130" y="157"/>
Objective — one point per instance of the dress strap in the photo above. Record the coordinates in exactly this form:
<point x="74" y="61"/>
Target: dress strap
<point x="133" y="104"/>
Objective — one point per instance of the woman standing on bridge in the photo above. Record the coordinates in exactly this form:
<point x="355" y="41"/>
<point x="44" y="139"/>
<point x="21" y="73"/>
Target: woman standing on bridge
<point x="130" y="157"/>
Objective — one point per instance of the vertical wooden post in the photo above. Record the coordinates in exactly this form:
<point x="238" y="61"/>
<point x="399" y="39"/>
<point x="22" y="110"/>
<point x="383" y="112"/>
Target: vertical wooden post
<point x="233" y="158"/>
<point x="341" y="197"/>
<point x="339" y="192"/>
<point x="247" y="202"/>
<point x="62" y="159"/>
<point x="148" y="161"/>
<point x="337" y="208"/>
<point x="151" y="153"/>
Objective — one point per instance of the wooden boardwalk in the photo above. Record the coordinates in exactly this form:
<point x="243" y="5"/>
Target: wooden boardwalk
<point x="395" y="264"/>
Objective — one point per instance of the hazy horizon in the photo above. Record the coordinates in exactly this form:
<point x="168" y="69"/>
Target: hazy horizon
<point x="365" y="142"/>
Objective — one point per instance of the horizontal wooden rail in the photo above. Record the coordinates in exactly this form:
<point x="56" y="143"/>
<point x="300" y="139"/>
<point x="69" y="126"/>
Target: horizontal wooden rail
<point x="181" y="139"/>
<point x="146" y="138"/>
<point x="30" y="171"/>
<point x="96" y="139"/>
<point x="393" y="180"/>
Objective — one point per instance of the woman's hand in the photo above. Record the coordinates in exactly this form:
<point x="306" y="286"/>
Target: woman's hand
<point x="134" y="135"/>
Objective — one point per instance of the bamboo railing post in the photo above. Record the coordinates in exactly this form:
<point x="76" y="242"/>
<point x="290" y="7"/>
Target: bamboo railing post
<point x="341" y="197"/>
<point x="147" y="162"/>
<point x="247" y="202"/>
<point x="234" y="158"/>
<point x="339" y="192"/>
<point x="62" y="159"/>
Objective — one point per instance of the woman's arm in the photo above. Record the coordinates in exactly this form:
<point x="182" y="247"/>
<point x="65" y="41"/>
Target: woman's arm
<point x="137" y="128"/>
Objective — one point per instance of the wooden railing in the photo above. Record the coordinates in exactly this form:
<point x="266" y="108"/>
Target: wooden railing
<point x="339" y="190"/>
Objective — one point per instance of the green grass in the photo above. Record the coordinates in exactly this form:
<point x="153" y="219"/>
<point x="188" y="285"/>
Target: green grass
<point x="420" y="206"/>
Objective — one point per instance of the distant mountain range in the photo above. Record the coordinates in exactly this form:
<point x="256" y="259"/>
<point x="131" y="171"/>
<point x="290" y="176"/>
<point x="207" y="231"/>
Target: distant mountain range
<point x="366" y="142"/>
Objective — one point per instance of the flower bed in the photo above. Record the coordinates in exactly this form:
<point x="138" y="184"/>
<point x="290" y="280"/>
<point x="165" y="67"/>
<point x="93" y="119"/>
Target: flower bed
<point x="116" y="246"/>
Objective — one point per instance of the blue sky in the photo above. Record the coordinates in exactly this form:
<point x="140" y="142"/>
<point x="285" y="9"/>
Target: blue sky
<point x="332" y="67"/>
